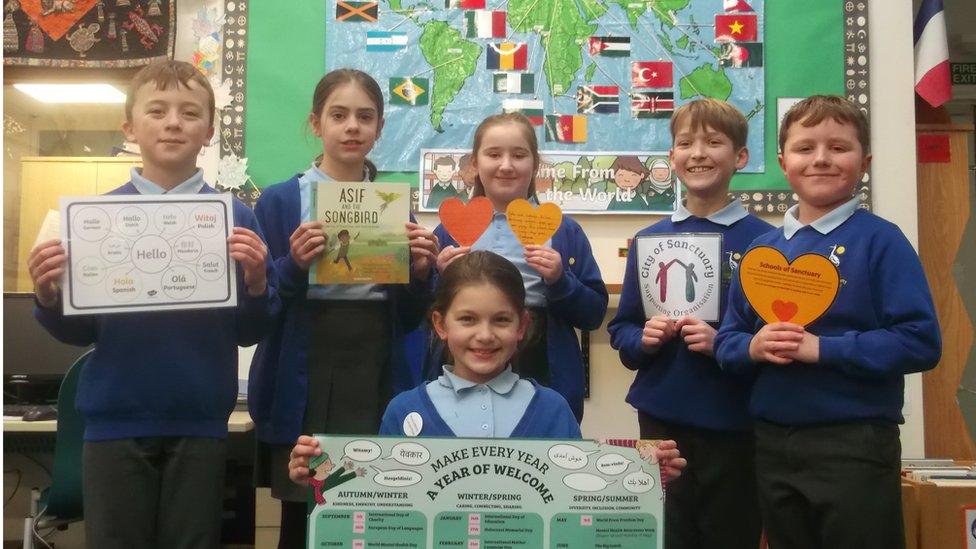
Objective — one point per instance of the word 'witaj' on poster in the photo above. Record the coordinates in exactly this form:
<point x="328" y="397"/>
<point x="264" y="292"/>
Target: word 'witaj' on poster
<point x="681" y="274"/>
<point x="131" y="253"/>
<point x="592" y="183"/>
<point x="482" y="493"/>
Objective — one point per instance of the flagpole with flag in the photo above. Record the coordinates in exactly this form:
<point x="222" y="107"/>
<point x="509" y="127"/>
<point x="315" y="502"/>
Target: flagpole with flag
<point x="933" y="82"/>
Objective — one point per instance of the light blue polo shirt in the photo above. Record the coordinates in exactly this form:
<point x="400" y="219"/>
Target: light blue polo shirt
<point x="145" y="186"/>
<point x="499" y="238"/>
<point x="341" y="292"/>
<point x="728" y="215"/>
<point x="833" y="219"/>
<point x="491" y="409"/>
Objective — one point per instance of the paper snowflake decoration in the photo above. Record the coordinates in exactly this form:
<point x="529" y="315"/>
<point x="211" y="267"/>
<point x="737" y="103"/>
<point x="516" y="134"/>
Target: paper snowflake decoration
<point x="223" y="97"/>
<point x="232" y="172"/>
<point x="206" y="22"/>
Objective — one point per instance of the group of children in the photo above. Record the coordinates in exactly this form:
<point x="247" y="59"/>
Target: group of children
<point x="781" y="427"/>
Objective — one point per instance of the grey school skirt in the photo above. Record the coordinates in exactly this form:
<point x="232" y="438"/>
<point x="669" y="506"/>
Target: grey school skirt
<point x="348" y="383"/>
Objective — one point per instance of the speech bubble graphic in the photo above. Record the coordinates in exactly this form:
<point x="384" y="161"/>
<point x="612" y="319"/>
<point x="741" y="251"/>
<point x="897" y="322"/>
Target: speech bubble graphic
<point x="585" y="482"/>
<point x="638" y="482"/>
<point x="362" y="451"/>
<point x="568" y="457"/>
<point x="410" y="453"/>
<point x="397" y="478"/>
<point x="612" y="464"/>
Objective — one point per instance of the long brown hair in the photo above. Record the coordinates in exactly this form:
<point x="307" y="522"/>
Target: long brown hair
<point x="528" y="132"/>
<point x="339" y="77"/>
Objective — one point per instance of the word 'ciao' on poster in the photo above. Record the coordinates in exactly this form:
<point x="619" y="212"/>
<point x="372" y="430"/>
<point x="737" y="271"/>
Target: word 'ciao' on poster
<point x="474" y="493"/>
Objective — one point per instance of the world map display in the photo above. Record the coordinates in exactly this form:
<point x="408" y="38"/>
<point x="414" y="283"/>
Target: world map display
<point x="593" y="75"/>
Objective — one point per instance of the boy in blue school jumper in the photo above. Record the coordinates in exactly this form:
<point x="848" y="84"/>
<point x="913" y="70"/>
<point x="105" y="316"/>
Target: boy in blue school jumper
<point x="679" y="390"/>
<point x="159" y="387"/>
<point x="828" y="398"/>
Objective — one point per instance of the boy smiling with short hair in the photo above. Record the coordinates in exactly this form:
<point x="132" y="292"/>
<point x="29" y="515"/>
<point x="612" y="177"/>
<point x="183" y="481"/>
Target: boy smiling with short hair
<point x="828" y="397"/>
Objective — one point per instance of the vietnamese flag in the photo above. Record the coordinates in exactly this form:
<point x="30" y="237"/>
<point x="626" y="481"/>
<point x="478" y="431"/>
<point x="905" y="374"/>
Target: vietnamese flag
<point x="651" y="74"/>
<point x="741" y="27"/>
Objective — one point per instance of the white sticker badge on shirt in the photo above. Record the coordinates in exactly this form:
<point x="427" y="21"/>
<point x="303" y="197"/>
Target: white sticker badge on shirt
<point x="413" y="424"/>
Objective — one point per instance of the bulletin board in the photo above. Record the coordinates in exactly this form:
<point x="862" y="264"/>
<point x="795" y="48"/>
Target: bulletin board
<point x="810" y="48"/>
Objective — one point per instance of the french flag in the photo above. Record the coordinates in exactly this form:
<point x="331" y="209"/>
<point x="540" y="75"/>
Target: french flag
<point x="932" y="80"/>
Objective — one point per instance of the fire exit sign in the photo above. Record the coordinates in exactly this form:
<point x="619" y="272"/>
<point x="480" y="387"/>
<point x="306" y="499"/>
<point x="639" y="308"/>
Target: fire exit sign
<point x="963" y="73"/>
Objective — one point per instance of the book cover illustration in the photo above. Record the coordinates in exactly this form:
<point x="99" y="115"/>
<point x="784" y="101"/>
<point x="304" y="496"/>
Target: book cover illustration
<point x="366" y="240"/>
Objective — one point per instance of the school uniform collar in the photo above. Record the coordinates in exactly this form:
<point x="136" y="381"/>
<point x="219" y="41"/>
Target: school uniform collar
<point x="502" y="384"/>
<point x="825" y="224"/>
<point x="145" y="186"/>
<point x="314" y="173"/>
<point x="728" y="215"/>
<point x="534" y="200"/>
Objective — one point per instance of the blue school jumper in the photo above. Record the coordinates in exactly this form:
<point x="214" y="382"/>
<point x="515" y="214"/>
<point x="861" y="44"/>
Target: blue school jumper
<point x="546" y="416"/>
<point x="676" y="384"/>
<point x="881" y="326"/>
<point x="170" y="373"/>
<point x="577" y="300"/>
<point x="278" y="382"/>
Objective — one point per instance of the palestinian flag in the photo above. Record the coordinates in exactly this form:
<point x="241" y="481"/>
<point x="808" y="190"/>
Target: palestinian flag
<point x="566" y="128"/>
<point x="652" y="104"/>
<point x="513" y="82"/>
<point x="738" y="27"/>
<point x="485" y="24"/>
<point x="741" y="54"/>
<point x="409" y="91"/>
<point x="610" y="46"/>
<point x="531" y="108"/>
<point x="598" y="99"/>
<point x="508" y="56"/>
<point x="465" y="4"/>
<point x="356" y="12"/>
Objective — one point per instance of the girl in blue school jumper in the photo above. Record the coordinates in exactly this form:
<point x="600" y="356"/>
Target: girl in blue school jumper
<point x="564" y="289"/>
<point x="480" y="313"/>
<point x="333" y="361"/>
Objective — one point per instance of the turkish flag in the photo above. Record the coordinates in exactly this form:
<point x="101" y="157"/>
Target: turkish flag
<point x="741" y="27"/>
<point x="651" y="74"/>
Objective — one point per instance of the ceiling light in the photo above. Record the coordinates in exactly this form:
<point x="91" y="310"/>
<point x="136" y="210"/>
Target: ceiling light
<point x="73" y="93"/>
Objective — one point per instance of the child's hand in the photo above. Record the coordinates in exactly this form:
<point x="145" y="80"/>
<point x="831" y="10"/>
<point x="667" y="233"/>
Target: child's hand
<point x="545" y="260"/>
<point x="699" y="336"/>
<point x="657" y="331"/>
<point x="776" y="343"/>
<point x="423" y="250"/>
<point x="670" y="460"/>
<point x="449" y="254"/>
<point x="306" y="448"/>
<point x="46" y="266"/>
<point x="247" y="249"/>
<point x="307" y="243"/>
<point x="808" y="350"/>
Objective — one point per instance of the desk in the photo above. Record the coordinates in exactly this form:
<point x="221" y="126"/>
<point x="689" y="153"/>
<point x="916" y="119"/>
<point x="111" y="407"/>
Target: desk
<point x="240" y="422"/>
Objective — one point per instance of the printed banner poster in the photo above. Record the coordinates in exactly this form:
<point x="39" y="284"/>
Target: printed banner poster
<point x="147" y="253"/>
<point x="485" y="493"/>
<point x="680" y="274"/>
<point x="587" y="183"/>
<point x="364" y="227"/>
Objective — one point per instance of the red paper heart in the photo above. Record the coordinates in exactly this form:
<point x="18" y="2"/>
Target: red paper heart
<point x="56" y="24"/>
<point x="466" y="222"/>
<point x="785" y="310"/>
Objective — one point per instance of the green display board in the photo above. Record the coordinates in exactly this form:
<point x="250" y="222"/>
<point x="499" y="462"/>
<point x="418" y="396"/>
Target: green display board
<point x="805" y="53"/>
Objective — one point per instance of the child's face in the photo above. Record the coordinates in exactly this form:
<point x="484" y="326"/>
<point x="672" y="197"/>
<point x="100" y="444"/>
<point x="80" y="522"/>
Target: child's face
<point x="344" y="238"/>
<point x="482" y="330"/>
<point x="705" y="159"/>
<point x="443" y="172"/>
<point x="505" y="164"/>
<point x="348" y="125"/>
<point x="627" y="179"/>
<point x="170" y="126"/>
<point x="823" y="164"/>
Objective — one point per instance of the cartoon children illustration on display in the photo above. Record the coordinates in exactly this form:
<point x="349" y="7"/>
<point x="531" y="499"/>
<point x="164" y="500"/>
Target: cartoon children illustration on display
<point x="442" y="187"/>
<point x="468" y="173"/>
<point x="325" y="478"/>
<point x="628" y="173"/>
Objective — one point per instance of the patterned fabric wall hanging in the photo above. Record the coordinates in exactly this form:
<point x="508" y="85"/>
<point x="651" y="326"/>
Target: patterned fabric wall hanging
<point x="87" y="33"/>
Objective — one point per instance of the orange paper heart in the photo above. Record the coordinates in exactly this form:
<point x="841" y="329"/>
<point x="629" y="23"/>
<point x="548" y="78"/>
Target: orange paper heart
<point x="466" y="222"/>
<point x="798" y="291"/>
<point x="533" y="225"/>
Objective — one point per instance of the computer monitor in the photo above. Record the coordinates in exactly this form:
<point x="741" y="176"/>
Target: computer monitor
<point x="33" y="361"/>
